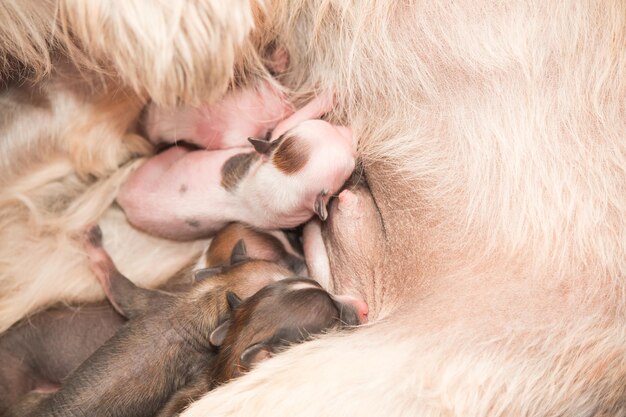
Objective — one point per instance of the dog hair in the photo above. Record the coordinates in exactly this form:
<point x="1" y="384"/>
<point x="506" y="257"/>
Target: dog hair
<point x="174" y="52"/>
<point x="491" y="136"/>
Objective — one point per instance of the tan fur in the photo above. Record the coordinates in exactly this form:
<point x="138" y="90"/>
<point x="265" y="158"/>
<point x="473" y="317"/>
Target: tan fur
<point x="258" y="245"/>
<point x="173" y="51"/>
<point x="492" y="135"/>
<point x="61" y="167"/>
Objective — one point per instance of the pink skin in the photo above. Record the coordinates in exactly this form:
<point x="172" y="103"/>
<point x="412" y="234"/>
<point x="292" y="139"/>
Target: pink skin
<point x="361" y="306"/>
<point x="355" y="219"/>
<point x="101" y="264"/>
<point x="314" y="109"/>
<point x="178" y="193"/>
<point x="46" y="388"/>
<point x="315" y="254"/>
<point x="240" y="114"/>
<point x="153" y="196"/>
<point x="319" y="267"/>
<point x="98" y="259"/>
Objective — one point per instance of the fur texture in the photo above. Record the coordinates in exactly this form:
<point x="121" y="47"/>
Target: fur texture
<point x="499" y="130"/>
<point x="63" y="158"/>
<point x="174" y="51"/>
<point x="492" y="136"/>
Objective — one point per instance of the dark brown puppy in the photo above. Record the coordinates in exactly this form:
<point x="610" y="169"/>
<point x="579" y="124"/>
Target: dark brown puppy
<point x="39" y="352"/>
<point x="281" y="314"/>
<point x="164" y="345"/>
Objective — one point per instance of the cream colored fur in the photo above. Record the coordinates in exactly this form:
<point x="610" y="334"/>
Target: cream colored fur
<point x="510" y="119"/>
<point x="62" y="161"/>
<point x="171" y="50"/>
<point x="505" y="121"/>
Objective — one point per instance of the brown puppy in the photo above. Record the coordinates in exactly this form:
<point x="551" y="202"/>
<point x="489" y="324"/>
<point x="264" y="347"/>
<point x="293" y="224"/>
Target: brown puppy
<point x="162" y="347"/>
<point x="38" y="353"/>
<point x="276" y="247"/>
<point x="281" y="314"/>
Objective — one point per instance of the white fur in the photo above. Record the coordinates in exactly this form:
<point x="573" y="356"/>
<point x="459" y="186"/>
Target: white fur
<point x="548" y="373"/>
<point x="502" y="123"/>
<point x="507" y="121"/>
<point x="171" y="51"/>
<point x="60" y="174"/>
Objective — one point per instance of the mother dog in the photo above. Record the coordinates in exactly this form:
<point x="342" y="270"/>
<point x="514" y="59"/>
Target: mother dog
<point x="492" y="247"/>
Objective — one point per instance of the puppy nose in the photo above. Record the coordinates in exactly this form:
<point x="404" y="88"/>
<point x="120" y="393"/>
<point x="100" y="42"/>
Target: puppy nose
<point x="359" y="305"/>
<point x="362" y="310"/>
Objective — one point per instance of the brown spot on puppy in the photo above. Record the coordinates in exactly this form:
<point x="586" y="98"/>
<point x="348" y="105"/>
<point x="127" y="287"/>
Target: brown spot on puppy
<point x="291" y="155"/>
<point x="236" y="168"/>
<point x="193" y="223"/>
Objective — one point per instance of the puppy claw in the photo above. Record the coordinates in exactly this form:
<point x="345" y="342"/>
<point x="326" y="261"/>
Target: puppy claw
<point x="320" y="205"/>
<point x="94" y="236"/>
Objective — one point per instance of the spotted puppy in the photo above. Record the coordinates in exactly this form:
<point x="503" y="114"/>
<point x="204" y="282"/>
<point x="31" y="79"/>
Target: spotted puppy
<point x="185" y="194"/>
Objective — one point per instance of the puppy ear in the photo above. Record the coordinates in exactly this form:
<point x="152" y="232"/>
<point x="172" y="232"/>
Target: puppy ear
<point x="217" y="336"/>
<point x="233" y="300"/>
<point x="264" y="147"/>
<point x="239" y="253"/>
<point x="254" y="354"/>
<point x="202" y="274"/>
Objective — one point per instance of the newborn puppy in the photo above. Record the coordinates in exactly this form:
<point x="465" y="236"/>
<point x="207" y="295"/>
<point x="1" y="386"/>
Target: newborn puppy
<point x="275" y="246"/>
<point x="164" y="345"/>
<point x="182" y="194"/>
<point x="39" y="352"/>
<point x="228" y="123"/>
<point x="243" y="112"/>
<point x="281" y="314"/>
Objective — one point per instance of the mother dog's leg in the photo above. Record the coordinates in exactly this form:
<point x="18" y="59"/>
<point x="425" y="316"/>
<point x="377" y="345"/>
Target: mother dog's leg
<point x="400" y="369"/>
<point x="173" y="50"/>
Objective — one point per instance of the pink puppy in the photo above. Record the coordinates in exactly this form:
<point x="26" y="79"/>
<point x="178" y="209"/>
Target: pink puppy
<point x="181" y="194"/>
<point x="242" y="113"/>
